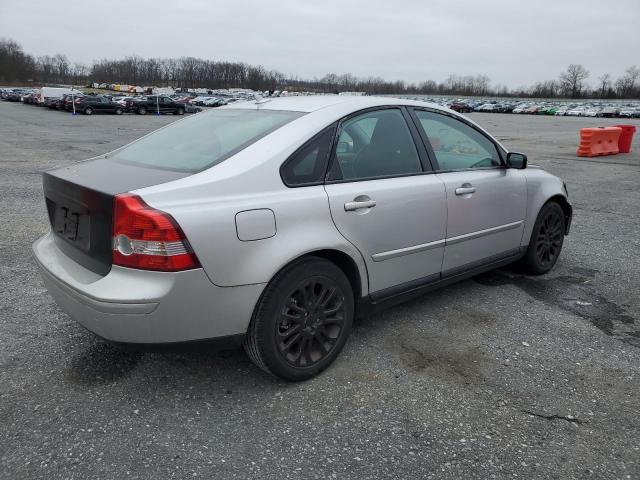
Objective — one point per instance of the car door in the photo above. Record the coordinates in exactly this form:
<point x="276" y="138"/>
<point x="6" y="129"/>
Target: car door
<point x="486" y="201"/>
<point x="167" y="105"/>
<point x="385" y="199"/>
<point x="100" y="104"/>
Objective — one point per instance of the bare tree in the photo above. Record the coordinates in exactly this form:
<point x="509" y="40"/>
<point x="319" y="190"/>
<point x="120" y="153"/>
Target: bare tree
<point x="605" y="84"/>
<point x="627" y="85"/>
<point x="571" y="81"/>
<point x="190" y="72"/>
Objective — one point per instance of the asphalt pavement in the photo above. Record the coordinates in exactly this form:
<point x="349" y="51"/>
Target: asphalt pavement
<point x="500" y="376"/>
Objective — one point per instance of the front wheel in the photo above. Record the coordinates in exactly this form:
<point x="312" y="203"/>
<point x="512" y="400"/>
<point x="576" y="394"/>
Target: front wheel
<point x="88" y="111"/>
<point x="118" y="111"/>
<point x="546" y="240"/>
<point x="302" y="320"/>
<point x="180" y="111"/>
<point x="142" y="111"/>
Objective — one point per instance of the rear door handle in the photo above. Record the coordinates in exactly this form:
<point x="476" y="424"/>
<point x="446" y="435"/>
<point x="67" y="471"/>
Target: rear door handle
<point x="465" y="189"/>
<point x="352" y="206"/>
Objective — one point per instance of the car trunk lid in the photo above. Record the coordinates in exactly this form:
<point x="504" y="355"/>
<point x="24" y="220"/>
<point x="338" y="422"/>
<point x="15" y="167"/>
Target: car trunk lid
<point x="79" y="201"/>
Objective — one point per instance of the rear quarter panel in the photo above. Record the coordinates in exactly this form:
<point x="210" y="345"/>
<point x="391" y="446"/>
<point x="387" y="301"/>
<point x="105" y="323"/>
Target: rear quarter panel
<point x="205" y="205"/>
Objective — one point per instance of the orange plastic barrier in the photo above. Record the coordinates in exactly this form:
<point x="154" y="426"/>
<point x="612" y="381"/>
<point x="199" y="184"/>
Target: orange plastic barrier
<point x="599" y="141"/>
<point x="626" y="137"/>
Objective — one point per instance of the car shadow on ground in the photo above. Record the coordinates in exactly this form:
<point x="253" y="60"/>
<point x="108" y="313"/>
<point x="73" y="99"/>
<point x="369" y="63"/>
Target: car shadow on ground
<point x="573" y="291"/>
<point x="102" y="362"/>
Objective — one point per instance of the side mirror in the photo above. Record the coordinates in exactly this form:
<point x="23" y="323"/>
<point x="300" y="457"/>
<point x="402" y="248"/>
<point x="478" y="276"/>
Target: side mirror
<point x="516" y="160"/>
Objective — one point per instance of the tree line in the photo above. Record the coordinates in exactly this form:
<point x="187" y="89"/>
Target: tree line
<point x="16" y="66"/>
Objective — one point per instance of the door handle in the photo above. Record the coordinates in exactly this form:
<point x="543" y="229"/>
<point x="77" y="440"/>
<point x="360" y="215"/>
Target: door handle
<point x="352" y="206"/>
<point x="465" y="189"/>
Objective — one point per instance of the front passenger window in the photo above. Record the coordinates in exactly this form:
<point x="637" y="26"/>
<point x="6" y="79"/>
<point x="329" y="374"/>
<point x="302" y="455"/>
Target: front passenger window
<point x="457" y="146"/>
<point x="375" y="144"/>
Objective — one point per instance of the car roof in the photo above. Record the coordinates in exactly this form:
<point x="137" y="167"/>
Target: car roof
<point x="312" y="103"/>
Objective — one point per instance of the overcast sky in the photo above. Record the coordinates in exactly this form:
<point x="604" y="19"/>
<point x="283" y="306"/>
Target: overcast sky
<point x="513" y="42"/>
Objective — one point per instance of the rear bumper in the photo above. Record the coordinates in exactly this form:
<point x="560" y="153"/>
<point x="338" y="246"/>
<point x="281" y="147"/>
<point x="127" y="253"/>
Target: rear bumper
<point x="138" y="306"/>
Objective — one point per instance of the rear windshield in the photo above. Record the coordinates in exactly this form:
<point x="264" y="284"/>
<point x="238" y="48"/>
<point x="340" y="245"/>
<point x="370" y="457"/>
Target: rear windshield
<point x="204" y="140"/>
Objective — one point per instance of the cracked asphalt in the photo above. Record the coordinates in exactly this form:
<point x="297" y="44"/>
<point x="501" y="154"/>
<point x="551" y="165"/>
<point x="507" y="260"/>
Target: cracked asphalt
<point x="500" y="376"/>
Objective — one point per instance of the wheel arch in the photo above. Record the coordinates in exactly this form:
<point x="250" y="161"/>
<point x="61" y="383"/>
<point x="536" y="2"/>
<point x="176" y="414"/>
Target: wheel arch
<point x="345" y="262"/>
<point x="542" y="187"/>
<point x="357" y="279"/>
<point x="564" y="203"/>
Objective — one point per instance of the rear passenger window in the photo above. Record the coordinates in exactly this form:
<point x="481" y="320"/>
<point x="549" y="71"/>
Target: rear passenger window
<point x="307" y="166"/>
<point x="375" y="144"/>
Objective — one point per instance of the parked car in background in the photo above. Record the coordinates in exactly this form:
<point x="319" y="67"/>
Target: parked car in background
<point x="155" y="104"/>
<point x="122" y="100"/>
<point x="66" y="99"/>
<point x="188" y="108"/>
<point x="50" y="102"/>
<point x="90" y="104"/>
<point x="521" y="108"/>
<point x="461" y="107"/>
<point x="214" y="102"/>
<point x="609" y="112"/>
<point x="575" y="112"/>
<point x="14" y="95"/>
<point x="630" y="112"/>
<point x="208" y="101"/>
<point x="546" y="110"/>
<point x="69" y="100"/>
<point x="172" y="238"/>
<point x="486" y="107"/>
<point x="29" y="98"/>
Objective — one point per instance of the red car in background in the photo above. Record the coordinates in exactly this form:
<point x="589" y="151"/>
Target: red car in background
<point x="461" y="107"/>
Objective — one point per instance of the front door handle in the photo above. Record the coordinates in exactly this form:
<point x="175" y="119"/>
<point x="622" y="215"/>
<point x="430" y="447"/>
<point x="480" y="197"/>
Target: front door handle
<point x="355" y="205"/>
<point x="465" y="189"/>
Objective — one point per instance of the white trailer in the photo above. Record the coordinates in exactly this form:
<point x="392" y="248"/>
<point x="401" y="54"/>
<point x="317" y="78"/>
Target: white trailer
<point x="53" y="92"/>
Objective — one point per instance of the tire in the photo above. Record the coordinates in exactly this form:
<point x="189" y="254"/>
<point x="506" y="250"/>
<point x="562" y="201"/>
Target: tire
<point x="546" y="240"/>
<point x="88" y="111"/>
<point x="180" y="111"/>
<point x="141" y="111"/>
<point x="118" y="111"/>
<point x="293" y="341"/>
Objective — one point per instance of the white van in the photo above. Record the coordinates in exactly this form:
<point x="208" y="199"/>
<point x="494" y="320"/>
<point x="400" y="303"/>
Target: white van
<point x="53" y="92"/>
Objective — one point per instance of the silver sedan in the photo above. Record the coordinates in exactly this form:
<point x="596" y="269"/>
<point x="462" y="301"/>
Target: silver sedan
<point x="281" y="220"/>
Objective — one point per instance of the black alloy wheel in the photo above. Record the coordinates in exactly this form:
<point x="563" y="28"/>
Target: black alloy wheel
<point x="310" y="322"/>
<point x="547" y="239"/>
<point x="302" y="320"/>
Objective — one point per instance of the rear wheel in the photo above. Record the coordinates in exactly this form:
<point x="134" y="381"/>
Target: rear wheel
<point x="546" y="240"/>
<point x="302" y="320"/>
<point x="180" y="111"/>
<point x="118" y="111"/>
<point x="88" y="111"/>
<point x="142" y="111"/>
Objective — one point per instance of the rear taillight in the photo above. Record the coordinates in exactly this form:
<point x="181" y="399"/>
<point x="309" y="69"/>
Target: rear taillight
<point x="149" y="239"/>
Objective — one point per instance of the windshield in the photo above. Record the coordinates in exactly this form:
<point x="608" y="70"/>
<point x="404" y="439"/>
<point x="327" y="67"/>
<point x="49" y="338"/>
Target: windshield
<point x="203" y="140"/>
